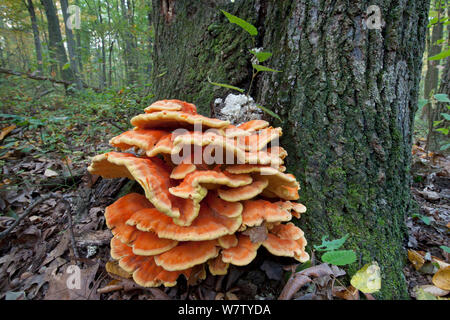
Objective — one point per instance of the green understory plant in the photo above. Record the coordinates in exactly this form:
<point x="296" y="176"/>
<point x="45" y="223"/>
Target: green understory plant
<point x="257" y="58"/>
<point x="445" y="117"/>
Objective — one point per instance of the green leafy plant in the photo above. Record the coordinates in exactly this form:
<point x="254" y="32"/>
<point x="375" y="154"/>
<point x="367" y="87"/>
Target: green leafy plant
<point x="445" y="248"/>
<point x="334" y="256"/>
<point x="445" y="117"/>
<point x="423" y="218"/>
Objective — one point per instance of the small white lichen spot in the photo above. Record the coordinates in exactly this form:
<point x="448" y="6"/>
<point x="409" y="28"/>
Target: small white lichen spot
<point x="238" y="108"/>
<point x="91" y="251"/>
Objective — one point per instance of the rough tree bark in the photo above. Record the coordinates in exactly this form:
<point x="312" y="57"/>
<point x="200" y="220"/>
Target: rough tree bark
<point x="55" y="45"/>
<point x="347" y="96"/>
<point x="433" y="48"/>
<point x="37" y="40"/>
<point x="71" y="44"/>
<point x="436" y="139"/>
<point x="432" y="75"/>
<point x="128" y="38"/>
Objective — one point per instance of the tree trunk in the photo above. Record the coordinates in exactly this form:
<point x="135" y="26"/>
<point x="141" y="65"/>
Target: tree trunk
<point x="102" y="48"/>
<point x="432" y="74"/>
<point x="4" y="55"/>
<point x="78" y="47"/>
<point x="347" y="95"/>
<point x="435" y="138"/>
<point x="130" y="50"/>
<point x="71" y="45"/>
<point x="37" y="40"/>
<point x="56" y="46"/>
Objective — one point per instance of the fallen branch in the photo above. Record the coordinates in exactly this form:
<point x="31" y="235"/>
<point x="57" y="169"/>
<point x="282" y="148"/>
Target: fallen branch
<point x="38" y="77"/>
<point x="23" y="216"/>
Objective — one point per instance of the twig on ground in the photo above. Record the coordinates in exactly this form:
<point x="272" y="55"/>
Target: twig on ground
<point x="23" y="215"/>
<point x="110" y="288"/>
<point x="72" y="236"/>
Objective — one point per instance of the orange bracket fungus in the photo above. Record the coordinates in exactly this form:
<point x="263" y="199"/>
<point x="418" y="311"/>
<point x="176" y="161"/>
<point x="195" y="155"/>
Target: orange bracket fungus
<point x="206" y="185"/>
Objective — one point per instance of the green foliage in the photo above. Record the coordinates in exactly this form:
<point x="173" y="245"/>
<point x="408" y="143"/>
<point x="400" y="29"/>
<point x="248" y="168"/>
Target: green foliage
<point x="270" y="112"/>
<point x="334" y="256"/>
<point x="331" y="245"/>
<point x="445" y="248"/>
<point x="423" y="218"/>
<point x="442" y="97"/>
<point x="261" y="56"/>
<point x="339" y="257"/>
<point x="261" y="68"/>
<point x="422" y="103"/>
<point x="444" y="54"/>
<point x="226" y="86"/>
<point x="241" y="23"/>
<point x="64" y="124"/>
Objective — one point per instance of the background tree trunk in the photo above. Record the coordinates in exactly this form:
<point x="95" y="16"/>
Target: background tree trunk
<point x="71" y="46"/>
<point x="436" y="139"/>
<point x="37" y="40"/>
<point x="432" y="75"/>
<point x="129" y="52"/>
<point x="347" y="96"/>
<point x="56" y="46"/>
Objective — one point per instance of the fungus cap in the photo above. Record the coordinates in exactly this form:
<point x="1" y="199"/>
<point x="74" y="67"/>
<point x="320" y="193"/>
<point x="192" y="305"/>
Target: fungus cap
<point x="172" y="105"/>
<point x="243" y="253"/>
<point x="282" y="185"/>
<point x="193" y="185"/>
<point x="145" y="139"/>
<point x="217" y="266"/>
<point x="245" y="192"/>
<point x="175" y="119"/>
<point x="187" y="255"/>
<point x="224" y="147"/>
<point x="207" y="226"/>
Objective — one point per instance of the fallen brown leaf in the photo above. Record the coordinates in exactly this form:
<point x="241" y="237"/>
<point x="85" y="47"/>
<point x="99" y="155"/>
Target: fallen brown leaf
<point x="6" y="131"/>
<point x="416" y="259"/>
<point x="441" y="278"/>
<point x="61" y="286"/>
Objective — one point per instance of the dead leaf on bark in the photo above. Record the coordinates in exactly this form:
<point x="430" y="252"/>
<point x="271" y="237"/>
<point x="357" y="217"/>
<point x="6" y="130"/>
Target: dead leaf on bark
<point x="256" y="234"/>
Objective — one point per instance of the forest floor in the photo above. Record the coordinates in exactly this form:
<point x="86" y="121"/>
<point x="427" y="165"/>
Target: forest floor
<point x="45" y="145"/>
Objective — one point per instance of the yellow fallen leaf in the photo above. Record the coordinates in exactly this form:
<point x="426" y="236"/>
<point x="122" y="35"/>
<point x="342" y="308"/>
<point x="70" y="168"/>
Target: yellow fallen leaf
<point x="442" y="264"/>
<point x="368" y="278"/>
<point x="114" y="268"/>
<point x="441" y="278"/>
<point x="416" y="259"/>
<point x="6" y="130"/>
<point x="423" y="295"/>
<point x="435" y="291"/>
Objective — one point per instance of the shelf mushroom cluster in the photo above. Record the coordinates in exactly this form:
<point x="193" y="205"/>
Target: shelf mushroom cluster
<point x="213" y="194"/>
